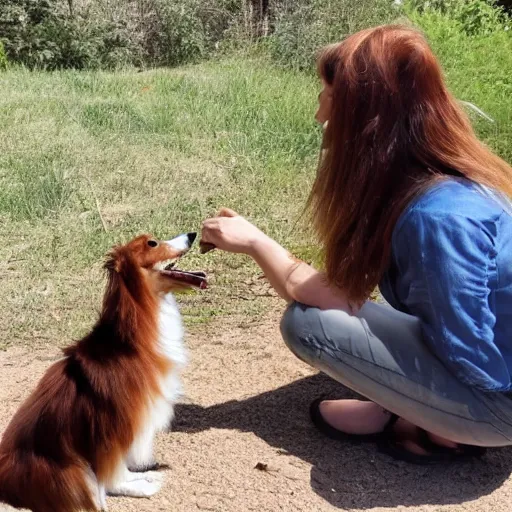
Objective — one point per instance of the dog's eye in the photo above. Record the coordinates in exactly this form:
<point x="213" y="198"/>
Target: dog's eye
<point x="152" y="243"/>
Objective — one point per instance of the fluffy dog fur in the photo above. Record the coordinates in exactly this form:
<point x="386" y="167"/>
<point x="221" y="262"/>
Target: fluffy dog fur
<point x="94" y="414"/>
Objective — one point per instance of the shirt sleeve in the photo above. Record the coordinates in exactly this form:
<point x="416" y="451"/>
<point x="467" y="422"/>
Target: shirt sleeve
<point x="448" y="262"/>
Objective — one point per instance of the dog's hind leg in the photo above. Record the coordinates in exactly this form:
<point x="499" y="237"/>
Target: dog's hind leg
<point x="102" y="498"/>
<point x="97" y="491"/>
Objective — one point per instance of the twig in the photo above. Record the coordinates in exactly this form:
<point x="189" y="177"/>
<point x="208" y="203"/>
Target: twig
<point x="104" y="224"/>
<point x="479" y="111"/>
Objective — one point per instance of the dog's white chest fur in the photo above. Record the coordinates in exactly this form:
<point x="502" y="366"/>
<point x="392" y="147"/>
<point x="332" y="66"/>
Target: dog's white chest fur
<point x="171" y="332"/>
<point x="171" y="345"/>
<point x="160" y="411"/>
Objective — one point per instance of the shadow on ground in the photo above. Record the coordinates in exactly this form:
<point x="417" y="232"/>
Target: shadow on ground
<point x="353" y="476"/>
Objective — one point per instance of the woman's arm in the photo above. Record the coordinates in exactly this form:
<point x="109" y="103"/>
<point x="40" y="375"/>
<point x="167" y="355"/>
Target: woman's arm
<point x="292" y="279"/>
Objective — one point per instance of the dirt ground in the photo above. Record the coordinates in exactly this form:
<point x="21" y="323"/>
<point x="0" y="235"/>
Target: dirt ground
<point x="246" y="407"/>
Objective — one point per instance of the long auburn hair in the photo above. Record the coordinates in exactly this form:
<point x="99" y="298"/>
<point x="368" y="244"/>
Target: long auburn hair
<point x="393" y="130"/>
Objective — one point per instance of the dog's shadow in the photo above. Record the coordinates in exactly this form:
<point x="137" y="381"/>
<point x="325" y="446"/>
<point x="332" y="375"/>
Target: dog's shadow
<point x="347" y="475"/>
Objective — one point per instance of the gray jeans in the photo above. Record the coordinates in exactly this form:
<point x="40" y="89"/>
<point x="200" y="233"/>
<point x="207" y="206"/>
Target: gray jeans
<point x="381" y="355"/>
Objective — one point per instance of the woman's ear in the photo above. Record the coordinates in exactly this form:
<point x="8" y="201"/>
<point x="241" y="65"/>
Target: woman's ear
<point x="324" y="104"/>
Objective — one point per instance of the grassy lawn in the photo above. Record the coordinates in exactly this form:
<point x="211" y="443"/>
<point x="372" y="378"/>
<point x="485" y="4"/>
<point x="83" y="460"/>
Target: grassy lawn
<point x="479" y="70"/>
<point x="90" y="159"/>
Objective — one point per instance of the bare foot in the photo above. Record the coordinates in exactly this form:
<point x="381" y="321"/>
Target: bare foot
<point x="408" y="434"/>
<point x="354" y="416"/>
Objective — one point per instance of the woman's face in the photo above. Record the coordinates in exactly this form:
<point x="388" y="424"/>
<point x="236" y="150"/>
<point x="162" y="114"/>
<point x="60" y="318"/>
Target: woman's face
<point x="324" y="103"/>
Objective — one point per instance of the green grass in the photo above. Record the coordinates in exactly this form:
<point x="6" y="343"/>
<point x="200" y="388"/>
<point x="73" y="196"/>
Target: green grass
<point x="159" y="151"/>
<point x="478" y="69"/>
<point x="142" y="152"/>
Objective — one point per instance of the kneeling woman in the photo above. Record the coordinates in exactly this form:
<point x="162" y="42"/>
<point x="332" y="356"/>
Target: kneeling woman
<point x="407" y="198"/>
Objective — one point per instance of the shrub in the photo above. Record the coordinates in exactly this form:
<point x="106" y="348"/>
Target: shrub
<point x="3" y="57"/>
<point x="52" y="34"/>
<point x="477" y="67"/>
<point x="42" y="34"/>
<point x="480" y="17"/>
<point x="175" y="33"/>
<point x="186" y="31"/>
<point x="476" y="17"/>
<point x="21" y="22"/>
<point x="303" y="28"/>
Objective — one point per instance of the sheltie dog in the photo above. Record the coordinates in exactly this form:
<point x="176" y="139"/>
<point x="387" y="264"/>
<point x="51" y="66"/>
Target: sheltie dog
<point x="88" y="428"/>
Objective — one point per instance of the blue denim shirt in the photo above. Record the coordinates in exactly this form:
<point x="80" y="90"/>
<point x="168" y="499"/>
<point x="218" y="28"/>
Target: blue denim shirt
<point x="451" y="266"/>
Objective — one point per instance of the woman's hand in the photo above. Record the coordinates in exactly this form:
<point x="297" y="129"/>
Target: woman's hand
<point x="292" y="279"/>
<point x="231" y="232"/>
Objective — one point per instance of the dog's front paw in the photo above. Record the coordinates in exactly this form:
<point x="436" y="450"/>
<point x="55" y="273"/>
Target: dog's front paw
<point x="142" y="485"/>
<point x="144" y="488"/>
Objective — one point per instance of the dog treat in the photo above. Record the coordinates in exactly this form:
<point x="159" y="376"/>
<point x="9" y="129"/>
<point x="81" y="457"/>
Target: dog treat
<point x="205" y="247"/>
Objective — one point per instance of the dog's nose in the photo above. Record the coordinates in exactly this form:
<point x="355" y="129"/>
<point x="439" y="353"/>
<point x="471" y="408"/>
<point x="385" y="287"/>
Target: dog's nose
<point x="183" y="242"/>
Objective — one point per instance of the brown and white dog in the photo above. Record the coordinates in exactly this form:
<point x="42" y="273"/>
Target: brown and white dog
<point x="94" y="414"/>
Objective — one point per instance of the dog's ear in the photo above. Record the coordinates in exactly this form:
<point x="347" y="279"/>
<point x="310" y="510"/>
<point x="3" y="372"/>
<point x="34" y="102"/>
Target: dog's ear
<point x="124" y="290"/>
<point x="113" y="261"/>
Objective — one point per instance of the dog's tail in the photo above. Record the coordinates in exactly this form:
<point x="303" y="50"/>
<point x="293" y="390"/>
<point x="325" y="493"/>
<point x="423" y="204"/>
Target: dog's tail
<point x="36" y="483"/>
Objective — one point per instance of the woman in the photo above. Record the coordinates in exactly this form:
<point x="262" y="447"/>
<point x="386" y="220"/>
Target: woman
<point x="407" y="198"/>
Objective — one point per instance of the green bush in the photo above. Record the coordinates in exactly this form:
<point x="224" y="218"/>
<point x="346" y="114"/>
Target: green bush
<point x="21" y="24"/>
<point x="42" y="34"/>
<point x="480" y="17"/>
<point x="176" y="33"/>
<point x="301" y="31"/>
<point x="186" y="31"/>
<point x="3" y="57"/>
<point x="53" y="34"/>
<point x="476" y="17"/>
<point x="477" y="67"/>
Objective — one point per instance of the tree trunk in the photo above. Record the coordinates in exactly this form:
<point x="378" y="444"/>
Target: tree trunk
<point x="256" y="17"/>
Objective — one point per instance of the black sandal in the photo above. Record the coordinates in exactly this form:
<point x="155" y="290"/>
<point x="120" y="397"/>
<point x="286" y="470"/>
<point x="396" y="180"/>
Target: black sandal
<point x="389" y="443"/>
